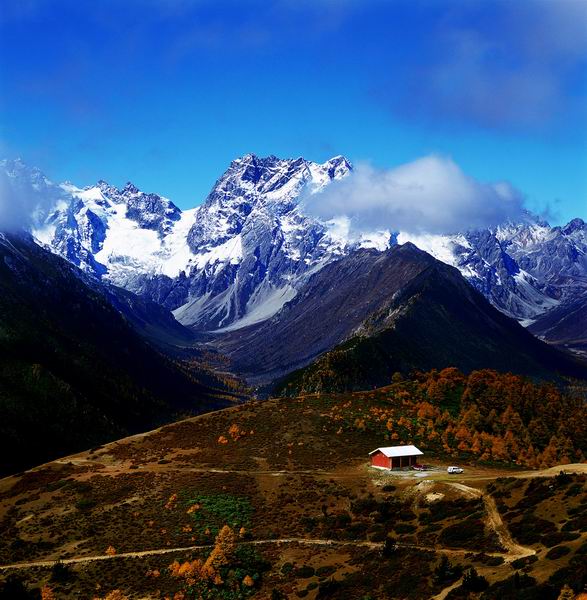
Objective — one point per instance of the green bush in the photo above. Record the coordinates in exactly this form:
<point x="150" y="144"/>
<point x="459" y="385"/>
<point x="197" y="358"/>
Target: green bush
<point x="474" y="582"/>
<point x="287" y="568"/>
<point x="520" y="563"/>
<point x="217" y="510"/>
<point x="61" y="573"/>
<point x="557" y="552"/>
<point x="404" y="528"/>
<point x="574" y="490"/>
<point x="325" y="570"/>
<point x="304" y="572"/>
<point x="85" y="504"/>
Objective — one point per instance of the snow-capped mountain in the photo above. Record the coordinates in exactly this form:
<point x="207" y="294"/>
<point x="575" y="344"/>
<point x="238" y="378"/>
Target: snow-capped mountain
<point x="234" y="260"/>
<point x="524" y="268"/>
<point x="241" y="255"/>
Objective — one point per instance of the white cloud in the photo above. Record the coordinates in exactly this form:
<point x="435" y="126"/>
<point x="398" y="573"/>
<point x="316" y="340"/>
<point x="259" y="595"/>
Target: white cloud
<point x="21" y="200"/>
<point x="431" y="195"/>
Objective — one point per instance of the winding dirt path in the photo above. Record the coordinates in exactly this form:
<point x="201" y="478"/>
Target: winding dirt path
<point x="301" y="541"/>
<point x="159" y="551"/>
<point x="495" y="522"/>
<point x="445" y="592"/>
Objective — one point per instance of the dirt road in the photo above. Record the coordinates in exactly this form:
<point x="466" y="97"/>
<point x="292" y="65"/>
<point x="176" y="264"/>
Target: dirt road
<point x="495" y="522"/>
<point x="302" y="541"/>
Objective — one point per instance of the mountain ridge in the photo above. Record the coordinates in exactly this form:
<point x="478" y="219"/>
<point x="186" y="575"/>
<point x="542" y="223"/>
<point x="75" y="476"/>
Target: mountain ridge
<point x="404" y="310"/>
<point x="246" y="251"/>
<point x="75" y="371"/>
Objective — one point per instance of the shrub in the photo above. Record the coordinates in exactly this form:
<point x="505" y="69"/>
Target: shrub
<point x="463" y="533"/>
<point x="557" y="552"/>
<point x="524" y="562"/>
<point x="445" y="572"/>
<point x="60" y="573"/>
<point x="389" y="547"/>
<point x="577" y="524"/>
<point x="305" y="571"/>
<point x="325" y="570"/>
<point x="554" y="539"/>
<point x="328" y="589"/>
<point x="13" y="588"/>
<point x="530" y="529"/>
<point x="404" y="528"/>
<point x="85" y="504"/>
<point x="474" y="582"/>
<point x="575" y="489"/>
<point x="287" y="568"/>
<point x="511" y="588"/>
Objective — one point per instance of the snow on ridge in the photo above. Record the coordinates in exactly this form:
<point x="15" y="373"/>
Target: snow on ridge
<point x="262" y="307"/>
<point x="245" y="251"/>
<point x="441" y="247"/>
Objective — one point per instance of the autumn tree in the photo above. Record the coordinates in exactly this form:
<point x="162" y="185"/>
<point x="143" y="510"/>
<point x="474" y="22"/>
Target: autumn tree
<point x="209" y="570"/>
<point x="224" y="547"/>
<point x="566" y="593"/>
<point x="47" y="593"/>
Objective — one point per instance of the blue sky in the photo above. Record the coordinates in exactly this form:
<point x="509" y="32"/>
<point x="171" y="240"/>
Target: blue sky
<point x="167" y="93"/>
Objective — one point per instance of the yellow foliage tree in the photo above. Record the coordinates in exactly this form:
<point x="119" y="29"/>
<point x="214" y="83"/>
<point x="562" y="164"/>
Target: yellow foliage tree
<point x="115" y="595"/>
<point x="566" y="593"/>
<point x="223" y="549"/>
<point x="47" y="593"/>
<point x="221" y="554"/>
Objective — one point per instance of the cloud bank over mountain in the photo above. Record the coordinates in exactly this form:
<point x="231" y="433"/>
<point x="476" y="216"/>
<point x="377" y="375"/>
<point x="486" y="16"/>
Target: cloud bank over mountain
<point x="431" y="194"/>
<point x="23" y="201"/>
<point x="16" y="204"/>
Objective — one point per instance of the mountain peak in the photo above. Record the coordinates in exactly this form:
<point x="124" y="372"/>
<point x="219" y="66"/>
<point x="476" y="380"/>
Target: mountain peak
<point x="130" y="187"/>
<point x="339" y="159"/>
<point x="574" y="225"/>
<point x="411" y="248"/>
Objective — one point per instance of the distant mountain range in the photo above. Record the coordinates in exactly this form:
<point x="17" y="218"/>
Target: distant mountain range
<point x="250" y="246"/>
<point x="256" y="277"/>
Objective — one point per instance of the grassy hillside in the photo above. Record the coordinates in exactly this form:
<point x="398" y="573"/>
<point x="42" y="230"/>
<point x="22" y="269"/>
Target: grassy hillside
<point x="275" y="500"/>
<point x="73" y="371"/>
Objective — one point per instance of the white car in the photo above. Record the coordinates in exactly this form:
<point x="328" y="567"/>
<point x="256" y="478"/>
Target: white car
<point x="454" y="470"/>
